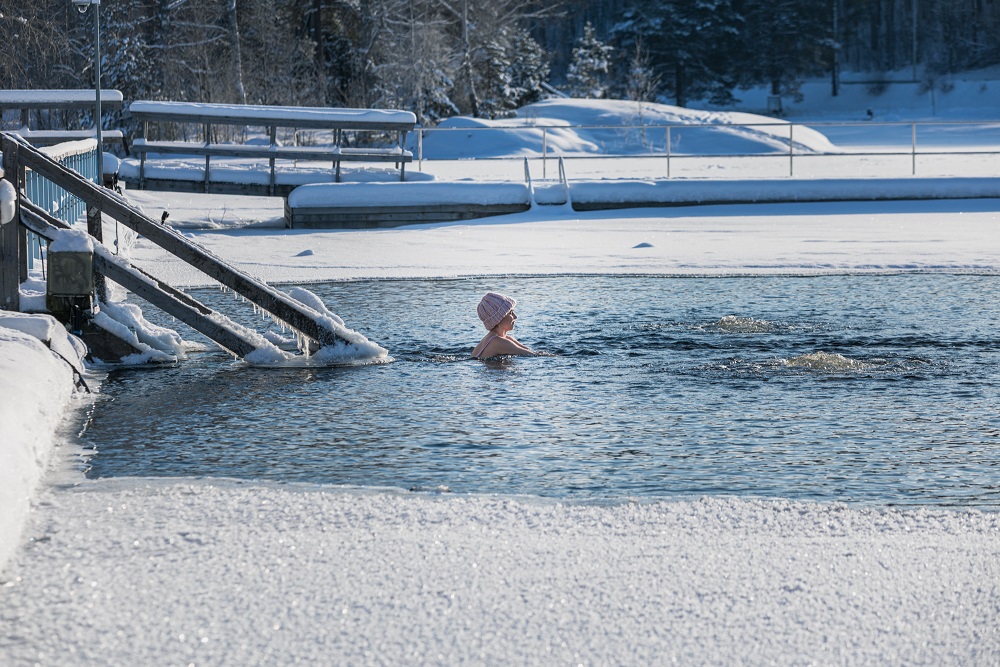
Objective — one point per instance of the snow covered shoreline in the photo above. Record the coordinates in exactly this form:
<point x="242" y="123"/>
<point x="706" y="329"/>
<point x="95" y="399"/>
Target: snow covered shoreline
<point x="192" y="571"/>
<point x="154" y="571"/>
<point x="38" y="360"/>
<point x="218" y="572"/>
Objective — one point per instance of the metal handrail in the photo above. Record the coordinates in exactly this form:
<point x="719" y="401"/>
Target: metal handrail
<point x="81" y="157"/>
<point x="670" y="130"/>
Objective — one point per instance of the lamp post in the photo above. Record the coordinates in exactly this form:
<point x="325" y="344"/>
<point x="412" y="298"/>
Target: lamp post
<point x="94" y="219"/>
<point x="82" y="6"/>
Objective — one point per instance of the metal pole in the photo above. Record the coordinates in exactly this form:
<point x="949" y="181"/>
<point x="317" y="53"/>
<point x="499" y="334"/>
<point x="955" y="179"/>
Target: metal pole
<point x="545" y="151"/>
<point x="791" y="149"/>
<point x="668" y="151"/>
<point x="97" y="85"/>
<point x="913" y="149"/>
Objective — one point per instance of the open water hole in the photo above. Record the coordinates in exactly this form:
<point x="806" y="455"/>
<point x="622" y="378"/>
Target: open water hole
<point x="877" y="390"/>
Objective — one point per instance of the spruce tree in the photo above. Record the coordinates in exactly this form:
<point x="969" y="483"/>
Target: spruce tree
<point x="588" y="71"/>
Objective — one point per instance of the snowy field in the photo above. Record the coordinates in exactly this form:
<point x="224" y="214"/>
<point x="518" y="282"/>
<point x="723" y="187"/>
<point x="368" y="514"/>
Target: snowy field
<point x="150" y="571"/>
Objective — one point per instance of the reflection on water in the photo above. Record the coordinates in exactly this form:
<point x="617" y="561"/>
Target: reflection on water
<point x="862" y="389"/>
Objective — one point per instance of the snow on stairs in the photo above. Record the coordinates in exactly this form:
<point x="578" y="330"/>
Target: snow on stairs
<point x="308" y="322"/>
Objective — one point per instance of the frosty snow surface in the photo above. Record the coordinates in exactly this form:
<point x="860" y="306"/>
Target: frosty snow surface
<point x="149" y="571"/>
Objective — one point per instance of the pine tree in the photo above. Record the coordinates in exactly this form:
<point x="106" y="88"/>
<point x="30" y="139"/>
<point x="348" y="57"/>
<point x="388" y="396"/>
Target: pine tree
<point x="588" y="72"/>
<point x="784" y="41"/>
<point x="495" y="85"/>
<point x="529" y="67"/>
<point x="691" y="44"/>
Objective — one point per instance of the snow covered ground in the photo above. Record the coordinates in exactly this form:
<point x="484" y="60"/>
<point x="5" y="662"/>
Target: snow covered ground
<point x="147" y="571"/>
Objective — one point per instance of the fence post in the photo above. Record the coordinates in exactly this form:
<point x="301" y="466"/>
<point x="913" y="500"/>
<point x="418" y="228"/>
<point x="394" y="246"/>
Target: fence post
<point x="10" y="297"/>
<point x="545" y="151"/>
<point x="208" y="158"/>
<point x="95" y="229"/>
<point x="913" y="149"/>
<point x="791" y="149"/>
<point x="668" y="151"/>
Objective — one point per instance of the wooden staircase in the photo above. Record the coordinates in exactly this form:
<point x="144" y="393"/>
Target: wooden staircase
<point x="309" y="324"/>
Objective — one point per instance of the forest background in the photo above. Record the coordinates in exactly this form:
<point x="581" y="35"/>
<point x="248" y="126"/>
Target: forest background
<point x="485" y="58"/>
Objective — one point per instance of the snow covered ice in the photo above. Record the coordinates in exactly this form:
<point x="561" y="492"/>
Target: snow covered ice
<point x="195" y="571"/>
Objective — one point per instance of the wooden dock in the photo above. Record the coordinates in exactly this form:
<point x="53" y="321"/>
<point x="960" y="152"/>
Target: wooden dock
<point x="227" y="119"/>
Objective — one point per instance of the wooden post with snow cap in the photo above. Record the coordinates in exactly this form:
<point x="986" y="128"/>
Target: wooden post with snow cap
<point x="284" y="308"/>
<point x="187" y="309"/>
<point x="10" y="283"/>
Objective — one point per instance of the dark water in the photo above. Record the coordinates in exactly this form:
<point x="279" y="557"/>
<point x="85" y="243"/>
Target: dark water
<point x="654" y="392"/>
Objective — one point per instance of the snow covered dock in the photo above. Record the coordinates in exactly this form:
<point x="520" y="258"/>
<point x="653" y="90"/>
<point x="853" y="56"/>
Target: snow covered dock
<point x="361" y="205"/>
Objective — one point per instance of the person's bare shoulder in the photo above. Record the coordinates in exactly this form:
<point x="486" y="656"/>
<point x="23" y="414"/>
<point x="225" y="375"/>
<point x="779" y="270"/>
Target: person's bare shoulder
<point x="502" y="346"/>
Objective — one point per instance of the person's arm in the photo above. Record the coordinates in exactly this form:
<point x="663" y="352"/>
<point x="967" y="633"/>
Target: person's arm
<point x="507" y="346"/>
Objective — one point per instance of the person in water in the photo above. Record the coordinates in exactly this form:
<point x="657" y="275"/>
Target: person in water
<point x="498" y="316"/>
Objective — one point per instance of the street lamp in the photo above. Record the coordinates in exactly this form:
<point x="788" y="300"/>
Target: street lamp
<point x="82" y="6"/>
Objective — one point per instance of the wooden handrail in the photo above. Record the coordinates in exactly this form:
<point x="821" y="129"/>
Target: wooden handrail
<point x="284" y="308"/>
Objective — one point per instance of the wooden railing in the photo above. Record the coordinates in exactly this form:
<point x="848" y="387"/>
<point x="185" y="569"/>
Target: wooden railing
<point x="210" y="118"/>
<point x="18" y="156"/>
<point x="45" y="104"/>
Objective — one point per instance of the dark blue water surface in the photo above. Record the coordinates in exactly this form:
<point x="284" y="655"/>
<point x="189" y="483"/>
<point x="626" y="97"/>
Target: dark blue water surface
<point x="660" y="387"/>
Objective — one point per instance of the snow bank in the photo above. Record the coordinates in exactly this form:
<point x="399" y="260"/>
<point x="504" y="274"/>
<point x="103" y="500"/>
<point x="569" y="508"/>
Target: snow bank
<point x="216" y="572"/>
<point x="38" y="360"/>
<point x="691" y="191"/>
<point x="575" y="127"/>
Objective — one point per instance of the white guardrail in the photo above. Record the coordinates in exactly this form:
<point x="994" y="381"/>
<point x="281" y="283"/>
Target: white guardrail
<point x="883" y="144"/>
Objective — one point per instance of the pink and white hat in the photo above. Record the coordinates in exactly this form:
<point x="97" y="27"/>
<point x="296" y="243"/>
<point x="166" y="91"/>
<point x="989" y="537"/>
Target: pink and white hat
<point x="494" y="307"/>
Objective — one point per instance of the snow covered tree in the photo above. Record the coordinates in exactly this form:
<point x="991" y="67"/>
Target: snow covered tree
<point x="34" y="44"/>
<point x="641" y="82"/>
<point x="416" y="67"/>
<point x="588" y="71"/>
<point x="510" y="72"/>
<point x="495" y="87"/>
<point x="125" y="61"/>
<point x="691" y="44"/>
<point x="783" y="41"/>
<point x="529" y="67"/>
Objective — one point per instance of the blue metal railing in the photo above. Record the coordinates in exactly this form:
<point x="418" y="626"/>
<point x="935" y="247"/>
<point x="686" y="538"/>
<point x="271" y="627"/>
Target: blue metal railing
<point x="78" y="156"/>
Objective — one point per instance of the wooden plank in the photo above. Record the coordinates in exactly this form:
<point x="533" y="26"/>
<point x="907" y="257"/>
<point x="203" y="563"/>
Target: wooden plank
<point x="172" y="301"/>
<point x="10" y="285"/>
<point x="214" y="187"/>
<point x="316" y="153"/>
<point x="295" y="314"/>
<point x="53" y="137"/>
<point x="266" y="116"/>
<point x="59" y="99"/>
<point x="391" y="216"/>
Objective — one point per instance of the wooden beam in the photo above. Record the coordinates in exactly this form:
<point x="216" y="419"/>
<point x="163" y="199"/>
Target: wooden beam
<point x="184" y="307"/>
<point x="293" y="313"/>
<point x="10" y="284"/>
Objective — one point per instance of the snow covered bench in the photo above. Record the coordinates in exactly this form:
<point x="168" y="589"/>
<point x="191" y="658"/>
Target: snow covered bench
<point x="363" y="205"/>
<point x="25" y="101"/>
<point x="338" y="121"/>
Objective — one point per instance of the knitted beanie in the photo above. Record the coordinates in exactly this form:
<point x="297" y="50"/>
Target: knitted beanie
<point x="494" y="307"/>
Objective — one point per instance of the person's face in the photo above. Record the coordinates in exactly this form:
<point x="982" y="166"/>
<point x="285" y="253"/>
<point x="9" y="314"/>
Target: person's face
<point x="508" y="320"/>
